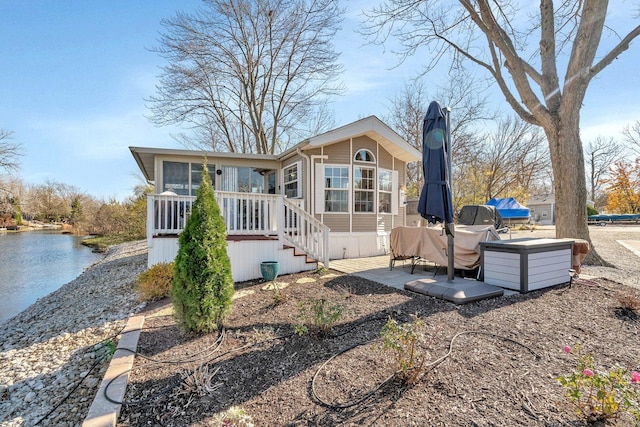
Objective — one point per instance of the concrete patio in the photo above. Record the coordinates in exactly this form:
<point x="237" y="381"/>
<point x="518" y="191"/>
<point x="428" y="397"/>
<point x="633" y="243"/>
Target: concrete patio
<point x="426" y="278"/>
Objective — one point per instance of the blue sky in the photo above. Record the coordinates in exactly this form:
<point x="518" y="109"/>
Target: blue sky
<point x="75" y="73"/>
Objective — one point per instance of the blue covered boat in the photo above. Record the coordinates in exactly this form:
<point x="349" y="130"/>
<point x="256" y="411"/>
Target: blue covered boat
<point x="511" y="211"/>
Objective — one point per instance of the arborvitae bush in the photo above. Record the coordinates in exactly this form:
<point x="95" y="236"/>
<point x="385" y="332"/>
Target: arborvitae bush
<point x="202" y="286"/>
<point x="155" y="283"/>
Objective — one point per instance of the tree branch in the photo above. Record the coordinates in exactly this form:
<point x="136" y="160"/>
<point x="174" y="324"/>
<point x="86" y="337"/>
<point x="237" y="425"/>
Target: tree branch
<point x="615" y="52"/>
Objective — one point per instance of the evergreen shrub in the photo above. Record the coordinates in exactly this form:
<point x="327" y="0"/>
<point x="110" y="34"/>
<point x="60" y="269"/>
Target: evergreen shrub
<point x="202" y="287"/>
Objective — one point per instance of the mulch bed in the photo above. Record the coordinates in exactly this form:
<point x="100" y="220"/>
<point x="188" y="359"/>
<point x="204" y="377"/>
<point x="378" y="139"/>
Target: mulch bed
<point x="506" y="355"/>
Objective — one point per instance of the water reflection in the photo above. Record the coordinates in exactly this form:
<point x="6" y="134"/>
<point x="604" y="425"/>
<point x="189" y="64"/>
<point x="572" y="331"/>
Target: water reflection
<point x="35" y="263"/>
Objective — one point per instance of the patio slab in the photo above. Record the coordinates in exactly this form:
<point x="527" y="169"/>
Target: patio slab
<point x="426" y="279"/>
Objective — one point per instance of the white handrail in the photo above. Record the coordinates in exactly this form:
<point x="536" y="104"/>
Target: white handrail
<point x="305" y="232"/>
<point x="245" y="214"/>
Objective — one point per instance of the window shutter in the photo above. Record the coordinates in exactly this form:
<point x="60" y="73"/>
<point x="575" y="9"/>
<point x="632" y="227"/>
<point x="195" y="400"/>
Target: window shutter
<point x="319" y="186"/>
<point x="395" y="193"/>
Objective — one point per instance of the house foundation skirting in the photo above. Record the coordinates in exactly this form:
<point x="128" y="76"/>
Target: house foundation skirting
<point x="358" y="245"/>
<point x="245" y="256"/>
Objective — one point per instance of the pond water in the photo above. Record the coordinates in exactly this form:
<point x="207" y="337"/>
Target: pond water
<point x="35" y="263"/>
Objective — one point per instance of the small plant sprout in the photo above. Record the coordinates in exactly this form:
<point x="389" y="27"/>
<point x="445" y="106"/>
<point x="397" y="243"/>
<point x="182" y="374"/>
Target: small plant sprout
<point x="277" y="297"/>
<point x="235" y="416"/>
<point x="405" y="341"/>
<point x="322" y="270"/>
<point x="105" y="350"/>
<point x="600" y="395"/>
<point x="317" y="317"/>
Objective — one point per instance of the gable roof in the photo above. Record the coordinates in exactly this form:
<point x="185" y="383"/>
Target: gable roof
<point x="145" y="156"/>
<point x="370" y="126"/>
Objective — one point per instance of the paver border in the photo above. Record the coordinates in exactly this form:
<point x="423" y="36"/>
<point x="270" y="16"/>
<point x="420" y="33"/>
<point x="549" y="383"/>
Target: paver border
<point x="103" y="412"/>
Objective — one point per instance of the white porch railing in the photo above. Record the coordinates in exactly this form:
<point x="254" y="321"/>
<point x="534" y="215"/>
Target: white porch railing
<point x="245" y="214"/>
<point x="304" y="231"/>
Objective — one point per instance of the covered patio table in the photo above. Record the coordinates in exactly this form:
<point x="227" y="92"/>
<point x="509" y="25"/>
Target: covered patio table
<point x="430" y="244"/>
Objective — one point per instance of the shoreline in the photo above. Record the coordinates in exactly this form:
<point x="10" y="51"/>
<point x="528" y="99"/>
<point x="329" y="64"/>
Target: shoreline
<point x="59" y="341"/>
<point x="50" y="347"/>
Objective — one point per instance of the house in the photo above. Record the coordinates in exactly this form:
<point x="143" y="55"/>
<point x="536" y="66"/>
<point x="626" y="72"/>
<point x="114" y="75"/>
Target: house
<point x="543" y="209"/>
<point x="335" y="195"/>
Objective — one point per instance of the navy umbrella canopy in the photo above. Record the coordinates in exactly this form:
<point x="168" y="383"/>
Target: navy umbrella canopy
<point x="435" y="204"/>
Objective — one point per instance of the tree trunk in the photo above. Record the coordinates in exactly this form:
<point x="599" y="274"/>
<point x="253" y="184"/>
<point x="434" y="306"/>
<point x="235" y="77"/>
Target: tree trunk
<point x="567" y="160"/>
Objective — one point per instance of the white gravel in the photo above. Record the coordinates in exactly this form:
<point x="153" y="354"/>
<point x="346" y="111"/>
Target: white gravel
<point x="49" y="348"/>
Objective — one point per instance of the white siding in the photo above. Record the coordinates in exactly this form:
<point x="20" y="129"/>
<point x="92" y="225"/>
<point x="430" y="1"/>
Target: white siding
<point x="245" y="256"/>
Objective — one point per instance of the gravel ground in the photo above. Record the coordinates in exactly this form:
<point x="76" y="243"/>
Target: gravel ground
<point x="57" y="344"/>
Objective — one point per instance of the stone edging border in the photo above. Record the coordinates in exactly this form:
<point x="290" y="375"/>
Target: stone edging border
<point x="102" y="412"/>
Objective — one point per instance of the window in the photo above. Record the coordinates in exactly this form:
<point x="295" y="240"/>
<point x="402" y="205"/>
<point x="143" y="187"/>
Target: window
<point x="244" y="179"/>
<point x="364" y="155"/>
<point x="364" y="189"/>
<point x="175" y="177"/>
<point x="385" y="190"/>
<point x="184" y="178"/>
<point x="271" y="182"/>
<point x="336" y="188"/>
<point x="196" y="176"/>
<point x="292" y="181"/>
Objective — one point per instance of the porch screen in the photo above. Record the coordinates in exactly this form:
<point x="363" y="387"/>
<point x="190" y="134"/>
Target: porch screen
<point x="175" y="177"/>
<point x="184" y="178"/>
<point x="196" y="176"/>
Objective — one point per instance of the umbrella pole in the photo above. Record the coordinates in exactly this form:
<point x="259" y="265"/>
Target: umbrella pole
<point x="449" y="226"/>
<point x="450" y="265"/>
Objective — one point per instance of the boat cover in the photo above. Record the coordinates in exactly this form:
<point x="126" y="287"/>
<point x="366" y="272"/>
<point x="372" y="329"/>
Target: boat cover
<point x="509" y="208"/>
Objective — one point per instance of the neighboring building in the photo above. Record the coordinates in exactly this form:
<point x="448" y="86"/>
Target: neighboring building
<point x="543" y="209"/>
<point x="335" y="195"/>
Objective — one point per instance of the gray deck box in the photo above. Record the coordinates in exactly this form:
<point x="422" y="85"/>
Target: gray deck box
<point x="526" y="264"/>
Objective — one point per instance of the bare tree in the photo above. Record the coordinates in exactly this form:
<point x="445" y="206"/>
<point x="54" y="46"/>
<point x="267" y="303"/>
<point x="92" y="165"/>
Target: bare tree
<point x="248" y="76"/>
<point x="9" y="151"/>
<point x="512" y="162"/>
<point x="514" y="156"/>
<point x="11" y="192"/>
<point x="601" y="155"/>
<point x="632" y="136"/>
<point x="406" y="114"/>
<point x="47" y="203"/>
<point x="497" y="36"/>
<point x="464" y="95"/>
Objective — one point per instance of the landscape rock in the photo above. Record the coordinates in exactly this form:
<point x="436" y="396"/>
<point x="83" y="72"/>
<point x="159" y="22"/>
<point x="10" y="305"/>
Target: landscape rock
<point x="53" y="344"/>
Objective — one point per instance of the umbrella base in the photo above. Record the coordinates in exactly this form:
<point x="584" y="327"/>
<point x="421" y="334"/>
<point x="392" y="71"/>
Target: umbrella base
<point x="458" y="291"/>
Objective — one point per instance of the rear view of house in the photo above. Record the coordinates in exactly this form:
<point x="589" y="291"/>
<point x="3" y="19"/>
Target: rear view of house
<point x="335" y="195"/>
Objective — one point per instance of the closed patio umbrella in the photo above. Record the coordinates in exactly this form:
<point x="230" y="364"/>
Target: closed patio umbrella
<point x="435" y="203"/>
